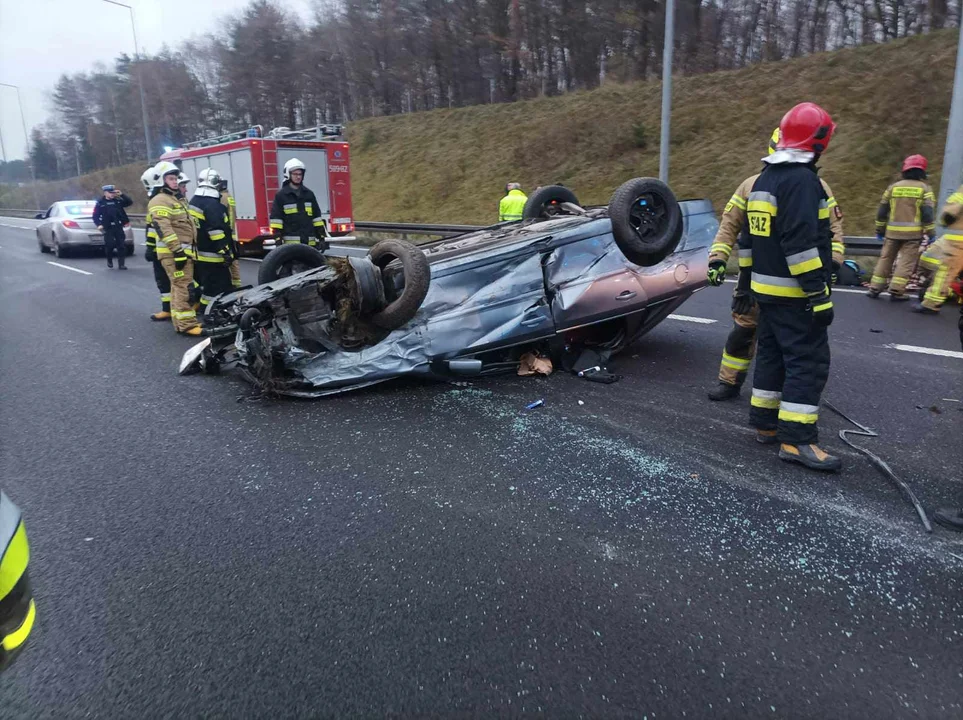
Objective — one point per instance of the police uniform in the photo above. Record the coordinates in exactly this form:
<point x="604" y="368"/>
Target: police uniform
<point x="176" y="235"/>
<point x="214" y="244"/>
<point x="109" y="214"/>
<point x="511" y="206"/>
<point x="160" y="275"/>
<point x="904" y="216"/>
<point x="741" y="343"/>
<point x="787" y="259"/>
<point x="296" y="217"/>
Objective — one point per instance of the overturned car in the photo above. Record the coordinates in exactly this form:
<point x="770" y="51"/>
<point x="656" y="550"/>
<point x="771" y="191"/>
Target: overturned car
<point x="563" y="276"/>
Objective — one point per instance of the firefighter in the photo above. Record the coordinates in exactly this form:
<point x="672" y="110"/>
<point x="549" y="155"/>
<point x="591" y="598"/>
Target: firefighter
<point x="741" y="344"/>
<point x="904" y="216"/>
<point x="160" y="276"/>
<point x="214" y="239"/>
<point x="944" y="258"/>
<point x="787" y="260"/>
<point x="228" y="200"/>
<point x="110" y="218"/>
<point x="176" y="234"/>
<point x="511" y="206"/>
<point x="295" y="214"/>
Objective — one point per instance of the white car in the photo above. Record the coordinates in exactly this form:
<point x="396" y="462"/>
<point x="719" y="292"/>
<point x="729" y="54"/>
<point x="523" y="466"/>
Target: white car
<point x="68" y="225"/>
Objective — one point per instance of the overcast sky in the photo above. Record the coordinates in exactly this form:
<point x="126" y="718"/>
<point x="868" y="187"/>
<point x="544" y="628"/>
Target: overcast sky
<point x="42" y="39"/>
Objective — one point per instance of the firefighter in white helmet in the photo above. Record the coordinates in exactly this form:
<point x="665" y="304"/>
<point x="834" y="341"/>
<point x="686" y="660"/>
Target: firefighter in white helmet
<point x="176" y="235"/>
<point x="160" y="276"/>
<point x="295" y="214"/>
<point x="228" y="201"/>
<point x="215" y="242"/>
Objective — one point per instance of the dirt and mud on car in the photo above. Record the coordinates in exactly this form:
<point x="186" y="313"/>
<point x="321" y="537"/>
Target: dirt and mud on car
<point x="563" y="277"/>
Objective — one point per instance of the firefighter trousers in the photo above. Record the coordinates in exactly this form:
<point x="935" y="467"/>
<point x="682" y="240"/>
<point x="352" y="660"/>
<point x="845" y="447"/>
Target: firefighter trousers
<point x="214" y="278"/>
<point x="739" y="349"/>
<point x="235" y="270"/>
<point x="163" y="285"/>
<point x="945" y="259"/>
<point x="792" y="366"/>
<point x="182" y="313"/>
<point x="902" y="254"/>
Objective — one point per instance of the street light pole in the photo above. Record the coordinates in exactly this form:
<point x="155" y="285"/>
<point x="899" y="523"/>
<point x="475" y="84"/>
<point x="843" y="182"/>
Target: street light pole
<point x="26" y="137"/>
<point x="953" y="152"/>
<point x="666" y="90"/>
<point x="140" y="76"/>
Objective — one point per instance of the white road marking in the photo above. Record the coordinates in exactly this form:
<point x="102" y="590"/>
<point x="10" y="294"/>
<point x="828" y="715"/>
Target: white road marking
<point x="19" y="227"/>
<point x="861" y="291"/>
<point x="925" y="350"/>
<point x="689" y="318"/>
<point x="67" y="267"/>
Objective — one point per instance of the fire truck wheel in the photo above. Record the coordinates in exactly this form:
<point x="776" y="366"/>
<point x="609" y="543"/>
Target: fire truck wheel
<point x="646" y="220"/>
<point x="416" y="273"/>
<point x="544" y="202"/>
<point x="288" y="260"/>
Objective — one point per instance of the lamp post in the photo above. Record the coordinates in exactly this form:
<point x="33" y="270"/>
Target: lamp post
<point x="666" y="90"/>
<point x="140" y="76"/>
<point x="26" y="138"/>
<point x="953" y="152"/>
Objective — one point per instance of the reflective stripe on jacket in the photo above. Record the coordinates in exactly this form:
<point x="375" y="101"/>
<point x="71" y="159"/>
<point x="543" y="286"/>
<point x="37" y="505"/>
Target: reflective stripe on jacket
<point x="176" y="230"/>
<point x="295" y="212"/>
<point x="906" y="211"/>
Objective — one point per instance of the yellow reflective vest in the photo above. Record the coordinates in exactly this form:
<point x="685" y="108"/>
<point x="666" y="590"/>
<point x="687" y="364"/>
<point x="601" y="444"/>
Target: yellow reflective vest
<point x="511" y="206"/>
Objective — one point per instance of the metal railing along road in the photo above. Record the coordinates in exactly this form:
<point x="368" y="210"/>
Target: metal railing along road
<point x="855" y="245"/>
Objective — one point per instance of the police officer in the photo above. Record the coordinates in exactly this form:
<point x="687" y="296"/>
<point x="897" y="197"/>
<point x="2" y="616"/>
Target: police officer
<point x="110" y="218"/>
<point x="228" y="200"/>
<point x="214" y="239"/>
<point x="787" y="266"/>
<point x="741" y="344"/>
<point x="511" y="206"/>
<point x="150" y="254"/>
<point x="176" y="235"/>
<point x="295" y="214"/>
<point x="904" y="216"/>
<point x="944" y="258"/>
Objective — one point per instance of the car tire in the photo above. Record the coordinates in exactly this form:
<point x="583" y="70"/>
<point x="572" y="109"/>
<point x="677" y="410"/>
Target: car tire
<point x="43" y="248"/>
<point x="539" y="203"/>
<point x="288" y="260"/>
<point x="57" y="250"/>
<point x="646" y="220"/>
<point x="417" y="275"/>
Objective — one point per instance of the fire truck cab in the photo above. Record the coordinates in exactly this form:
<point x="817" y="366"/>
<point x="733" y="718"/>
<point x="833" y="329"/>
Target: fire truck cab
<point x="252" y="162"/>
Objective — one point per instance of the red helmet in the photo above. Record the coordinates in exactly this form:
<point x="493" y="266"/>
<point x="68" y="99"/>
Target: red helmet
<point x="915" y="161"/>
<point x="806" y="127"/>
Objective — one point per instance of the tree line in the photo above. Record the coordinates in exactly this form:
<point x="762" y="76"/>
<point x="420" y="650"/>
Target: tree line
<point x="363" y="58"/>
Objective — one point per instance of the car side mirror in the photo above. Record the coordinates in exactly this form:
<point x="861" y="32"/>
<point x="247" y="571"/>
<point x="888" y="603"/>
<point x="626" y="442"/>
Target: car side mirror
<point x="38" y="216"/>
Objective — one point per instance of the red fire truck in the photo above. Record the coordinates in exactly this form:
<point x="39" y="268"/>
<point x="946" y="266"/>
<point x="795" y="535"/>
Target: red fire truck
<point x="252" y="162"/>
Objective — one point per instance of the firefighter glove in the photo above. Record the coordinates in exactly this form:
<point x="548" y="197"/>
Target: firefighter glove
<point x="742" y="302"/>
<point x="180" y="260"/>
<point x="150" y="255"/>
<point x="835" y="275"/>
<point x="822" y="308"/>
<point x="717" y="273"/>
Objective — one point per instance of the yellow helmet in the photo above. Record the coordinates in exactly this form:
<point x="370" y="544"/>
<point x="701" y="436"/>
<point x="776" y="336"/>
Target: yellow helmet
<point x="773" y="141"/>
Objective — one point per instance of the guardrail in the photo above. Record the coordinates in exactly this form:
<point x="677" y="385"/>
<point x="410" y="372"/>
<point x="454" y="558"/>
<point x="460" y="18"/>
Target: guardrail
<point x="855" y="245"/>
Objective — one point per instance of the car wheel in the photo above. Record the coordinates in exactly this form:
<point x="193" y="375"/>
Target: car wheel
<point x="43" y="248"/>
<point x="417" y="276"/>
<point x="57" y="250"/>
<point x="288" y="260"/>
<point x="646" y="220"/>
<point x="545" y="202"/>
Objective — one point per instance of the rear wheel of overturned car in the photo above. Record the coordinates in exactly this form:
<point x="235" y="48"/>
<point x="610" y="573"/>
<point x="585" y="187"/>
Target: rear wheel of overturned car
<point x="546" y="202"/>
<point x="646" y="220"/>
<point x="403" y="305"/>
<point x="288" y="260"/>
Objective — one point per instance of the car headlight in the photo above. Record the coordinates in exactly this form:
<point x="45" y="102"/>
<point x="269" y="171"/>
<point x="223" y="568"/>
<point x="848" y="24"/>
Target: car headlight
<point x="17" y="609"/>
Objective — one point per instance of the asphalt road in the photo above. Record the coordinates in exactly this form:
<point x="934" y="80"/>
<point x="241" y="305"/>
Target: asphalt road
<point x="433" y="549"/>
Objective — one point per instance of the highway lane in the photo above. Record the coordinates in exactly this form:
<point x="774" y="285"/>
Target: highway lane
<point x="429" y="548"/>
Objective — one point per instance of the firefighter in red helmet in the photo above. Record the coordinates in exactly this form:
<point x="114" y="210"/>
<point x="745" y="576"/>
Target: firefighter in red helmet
<point x="787" y="265"/>
<point x="905" y="216"/>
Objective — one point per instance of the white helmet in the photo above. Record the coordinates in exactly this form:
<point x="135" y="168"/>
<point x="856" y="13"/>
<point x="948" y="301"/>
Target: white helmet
<point x="182" y="178"/>
<point x="160" y="170"/>
<point x="209" y="177"/>
<point x="147" y="180"/>
<point x="291" y="165"/>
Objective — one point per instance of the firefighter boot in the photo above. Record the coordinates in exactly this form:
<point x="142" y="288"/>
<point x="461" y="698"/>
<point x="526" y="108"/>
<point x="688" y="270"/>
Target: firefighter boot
<point x="766" y="437"/>
<point x="724" y="391"/>
<point x="194" y="331"/>
<point x="161" y="316"/>
<point x="923" y="310"/>
<point x="951" y="518"/>
<point x="812" y="456"/>
<point x="872" y="294"/>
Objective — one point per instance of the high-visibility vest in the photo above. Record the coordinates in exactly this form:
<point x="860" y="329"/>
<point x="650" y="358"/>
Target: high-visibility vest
<point x="511" y="206"/>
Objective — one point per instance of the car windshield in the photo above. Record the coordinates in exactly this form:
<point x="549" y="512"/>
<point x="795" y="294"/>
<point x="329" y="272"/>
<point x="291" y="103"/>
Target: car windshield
<point x="86" y="209"/>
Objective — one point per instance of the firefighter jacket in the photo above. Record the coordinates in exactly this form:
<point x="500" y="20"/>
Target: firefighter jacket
<point x="110" y="212"/>
<point x="295" y="215"/>
<point x="951" y="216"/>
<point x="227" y="200"/>
<point x="733" y="222"/>
<point x="906" y="211"/>
<point x="785" y="249"/>
<point x="151" y="241"/>
<point x="511" y="206"/>
<point x="214" y="236"/>
<point x="176" y="231"/>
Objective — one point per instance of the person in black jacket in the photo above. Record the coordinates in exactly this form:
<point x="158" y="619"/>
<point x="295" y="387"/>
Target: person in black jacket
<point x="110" y="218"/>
<point x="295" y="215"/>
<point x="215" y="241"/>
